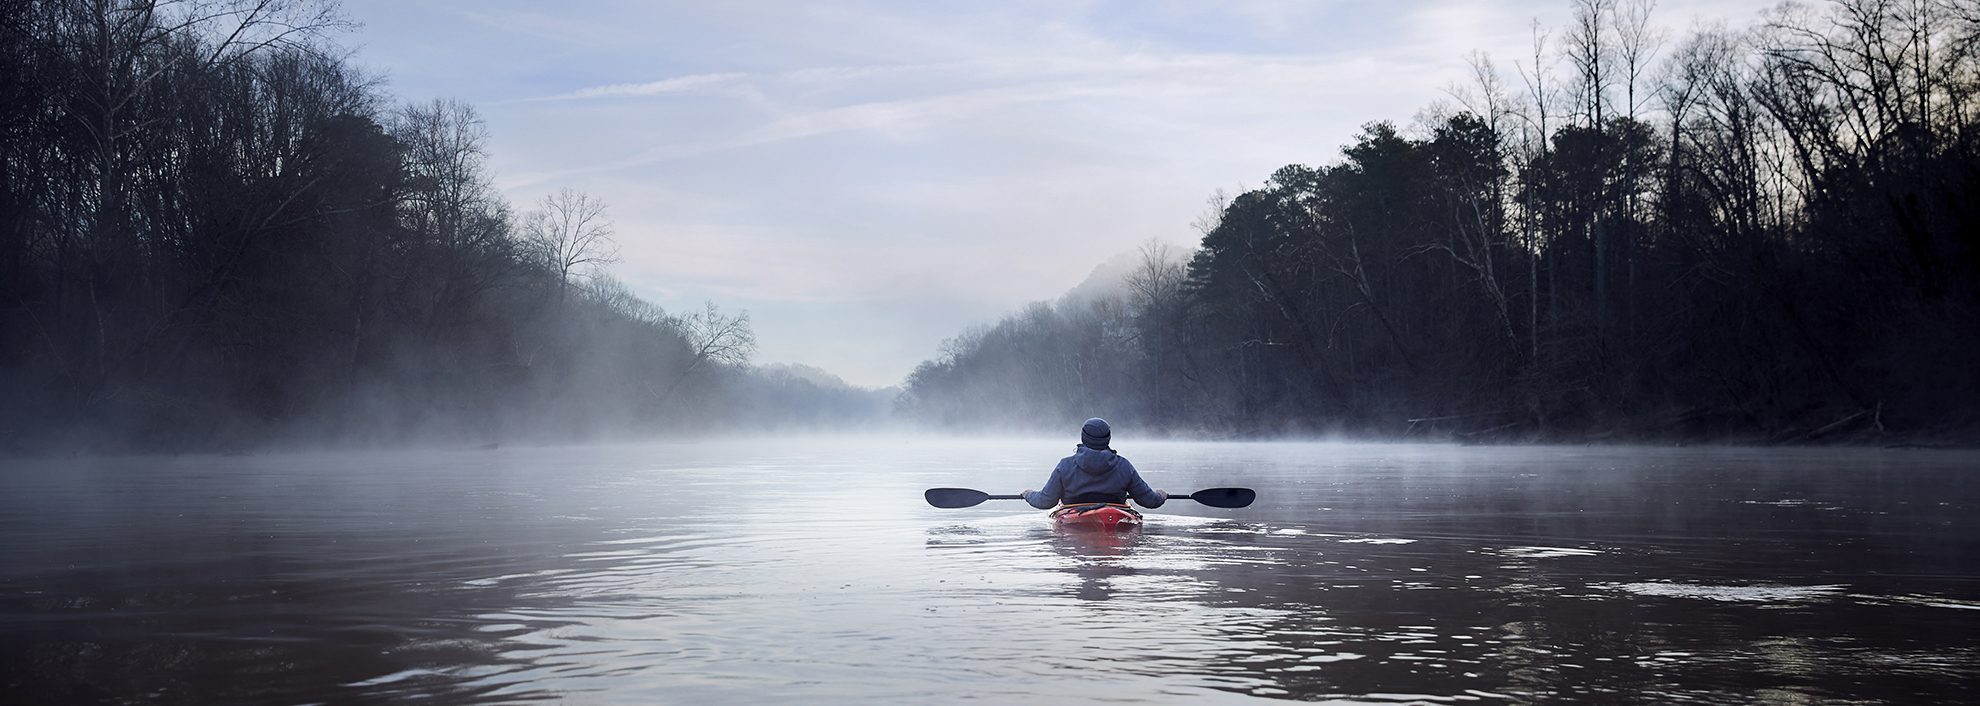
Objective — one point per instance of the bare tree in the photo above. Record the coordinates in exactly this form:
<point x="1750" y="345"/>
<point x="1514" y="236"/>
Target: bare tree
<point x="1159" y="278"/>
<point x="1487" y="99"/>
<point x="1213" y="212"/>
<point x="1636" y="44"/>
<point x="1534" y="134"/>
<point x="1475" y="173"/>
<point x="718" y="337"/>
<point x="570" y="232"/>
<point x="713" y="337"/>
<point x="118" y="50"/>
<point x="446" y="164"/>
<point x="1485" y="95"/>
<point x="114" y="43"/>
<point x="450" y="206"/>
<point x="1588" y="48"/>
<point x="605" y="289"/>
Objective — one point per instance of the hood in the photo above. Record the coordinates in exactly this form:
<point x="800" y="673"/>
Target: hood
<point x="1094" y="461"/>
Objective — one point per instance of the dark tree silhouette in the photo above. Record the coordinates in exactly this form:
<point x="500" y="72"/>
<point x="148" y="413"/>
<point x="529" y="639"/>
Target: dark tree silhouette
<point x="215" y="233"/>
<point x="1767" y="236"/>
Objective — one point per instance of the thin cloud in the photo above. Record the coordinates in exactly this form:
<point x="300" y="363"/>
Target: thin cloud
<point x="985" y="87"/>
<point x="680" y="84"/>
<point x="874" y="116"/>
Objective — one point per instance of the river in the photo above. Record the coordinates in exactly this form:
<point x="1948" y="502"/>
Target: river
<point x="811" y="570"/>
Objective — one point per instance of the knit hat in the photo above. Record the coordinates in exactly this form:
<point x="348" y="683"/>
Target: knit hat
<point x="1095" y="434"/>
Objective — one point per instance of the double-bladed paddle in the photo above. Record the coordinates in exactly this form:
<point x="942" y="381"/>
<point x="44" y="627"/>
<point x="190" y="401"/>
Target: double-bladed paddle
<point x="964" y="497"/>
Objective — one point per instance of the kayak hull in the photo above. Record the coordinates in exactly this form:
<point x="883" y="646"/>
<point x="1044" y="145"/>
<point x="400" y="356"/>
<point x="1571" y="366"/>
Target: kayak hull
<point x="1102" y="517"/>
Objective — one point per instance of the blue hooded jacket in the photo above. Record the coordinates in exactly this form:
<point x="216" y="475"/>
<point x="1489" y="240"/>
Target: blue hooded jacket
<point x="1090" y="473"/>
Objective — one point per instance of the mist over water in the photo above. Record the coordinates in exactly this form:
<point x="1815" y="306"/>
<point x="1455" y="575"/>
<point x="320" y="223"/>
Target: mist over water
<point x="222" y="229"/>
<point x="811" y="569"/>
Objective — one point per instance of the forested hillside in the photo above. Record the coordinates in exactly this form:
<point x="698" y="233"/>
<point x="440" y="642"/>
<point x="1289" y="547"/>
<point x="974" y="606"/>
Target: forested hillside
<point x="1759" y="233"/>
<point x="216" y="233"/>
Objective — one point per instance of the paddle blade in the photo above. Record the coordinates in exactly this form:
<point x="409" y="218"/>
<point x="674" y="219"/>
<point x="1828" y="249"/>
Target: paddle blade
<point x="1225" y="497"/>
<point x="955" y="497"/>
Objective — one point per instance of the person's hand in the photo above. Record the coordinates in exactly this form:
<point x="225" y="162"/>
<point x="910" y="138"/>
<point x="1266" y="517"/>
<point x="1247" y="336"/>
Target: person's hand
<point x="1161" y="492"/>
<point x="1027" y="491"/>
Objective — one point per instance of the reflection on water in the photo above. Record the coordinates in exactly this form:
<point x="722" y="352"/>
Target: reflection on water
<point x="1365" y="574"/>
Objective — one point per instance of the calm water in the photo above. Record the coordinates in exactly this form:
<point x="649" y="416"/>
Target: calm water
<point x="813" y="570"/>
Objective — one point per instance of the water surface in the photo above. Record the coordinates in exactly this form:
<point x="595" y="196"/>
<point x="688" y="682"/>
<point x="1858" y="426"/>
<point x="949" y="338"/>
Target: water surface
<point x="812" y="570"/>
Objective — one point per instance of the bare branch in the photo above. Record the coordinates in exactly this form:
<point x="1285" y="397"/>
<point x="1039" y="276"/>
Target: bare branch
<point x="570" y="232"/>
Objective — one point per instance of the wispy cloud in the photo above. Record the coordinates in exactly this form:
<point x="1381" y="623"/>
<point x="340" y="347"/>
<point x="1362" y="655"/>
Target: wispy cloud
<point x="680" y="84"/>
<point x="814" y="102"/>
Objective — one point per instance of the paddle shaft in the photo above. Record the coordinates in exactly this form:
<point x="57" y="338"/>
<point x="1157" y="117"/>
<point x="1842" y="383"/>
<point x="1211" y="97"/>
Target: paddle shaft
<point x="964" y="497"/>
<point x="1020" y="497"/>
<point x="1184" y="496"/>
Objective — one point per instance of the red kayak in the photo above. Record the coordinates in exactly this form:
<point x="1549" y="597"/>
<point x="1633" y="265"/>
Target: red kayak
<point x="1105" y="517"/>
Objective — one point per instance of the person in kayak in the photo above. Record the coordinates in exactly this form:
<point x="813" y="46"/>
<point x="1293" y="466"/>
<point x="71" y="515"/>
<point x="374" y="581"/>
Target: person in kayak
<point x="1094" y="474"/>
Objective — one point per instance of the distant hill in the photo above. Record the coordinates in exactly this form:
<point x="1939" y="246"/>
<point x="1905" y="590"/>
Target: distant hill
<point x="1108" y="279"/>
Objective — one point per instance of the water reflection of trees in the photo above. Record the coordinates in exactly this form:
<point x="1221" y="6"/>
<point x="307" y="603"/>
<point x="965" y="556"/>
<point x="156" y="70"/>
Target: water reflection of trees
<point x="266" y="623"/>
<point x="264" y="589"/>
<point x="1253" y="609"/>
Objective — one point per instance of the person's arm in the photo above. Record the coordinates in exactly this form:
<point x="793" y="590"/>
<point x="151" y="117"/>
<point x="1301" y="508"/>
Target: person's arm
<point x="1045" y="498"/>
<point x="1139" y="490"/>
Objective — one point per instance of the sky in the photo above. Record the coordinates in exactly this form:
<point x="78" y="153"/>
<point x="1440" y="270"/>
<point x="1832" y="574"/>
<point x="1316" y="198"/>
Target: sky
<point x="867" y="179"/>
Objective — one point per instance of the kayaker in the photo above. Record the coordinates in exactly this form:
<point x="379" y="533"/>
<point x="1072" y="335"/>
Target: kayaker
<point x="1094" y="474"/>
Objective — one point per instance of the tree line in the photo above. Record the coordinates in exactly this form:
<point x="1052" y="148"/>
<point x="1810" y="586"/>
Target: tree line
<point x="1769" y="233"/>
<point x="215" y="233"/>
